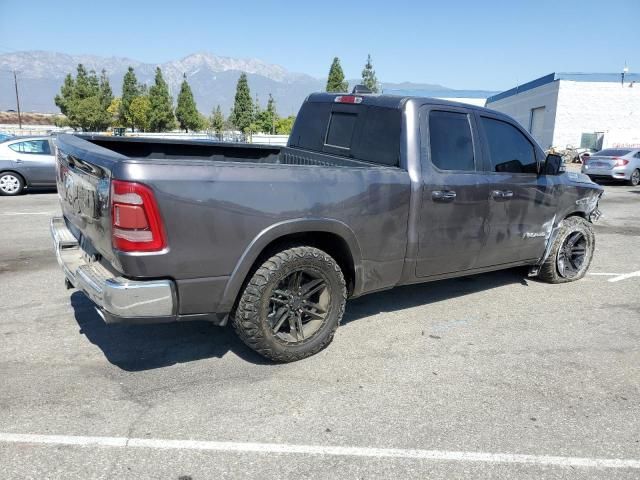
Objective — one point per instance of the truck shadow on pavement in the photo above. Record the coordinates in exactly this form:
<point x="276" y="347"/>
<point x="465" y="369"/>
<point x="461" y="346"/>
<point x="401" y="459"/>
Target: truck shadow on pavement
<point x="145" y="347"/>
<point x="409" y="296"/>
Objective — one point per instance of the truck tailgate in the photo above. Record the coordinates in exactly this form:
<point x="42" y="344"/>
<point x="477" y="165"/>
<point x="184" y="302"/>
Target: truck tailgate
<point x="83" y="176"/>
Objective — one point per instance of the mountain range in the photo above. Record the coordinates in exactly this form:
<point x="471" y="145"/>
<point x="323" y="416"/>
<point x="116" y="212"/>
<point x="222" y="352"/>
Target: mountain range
<point x="212" y="78"/>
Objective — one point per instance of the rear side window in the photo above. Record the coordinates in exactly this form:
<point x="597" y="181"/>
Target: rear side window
<point x="32" y="146"/>
<point x="379" y="140"/>
<point x="451" y="141"/>
<point x="362" y="132"/>
<point x="509" y="150"/>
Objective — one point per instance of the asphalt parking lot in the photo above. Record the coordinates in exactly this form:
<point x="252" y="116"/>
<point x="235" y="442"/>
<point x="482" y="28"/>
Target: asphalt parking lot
<point x="495" y="375"/>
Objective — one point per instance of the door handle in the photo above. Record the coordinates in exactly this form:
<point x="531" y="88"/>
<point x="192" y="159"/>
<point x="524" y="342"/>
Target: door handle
<point x="443" y="195"/>
<point x="18" y="160"/>
<point x="501" y="194"/>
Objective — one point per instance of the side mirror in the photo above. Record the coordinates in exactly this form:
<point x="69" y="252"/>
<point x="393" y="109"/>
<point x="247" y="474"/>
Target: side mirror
<point x="553" y="165"/>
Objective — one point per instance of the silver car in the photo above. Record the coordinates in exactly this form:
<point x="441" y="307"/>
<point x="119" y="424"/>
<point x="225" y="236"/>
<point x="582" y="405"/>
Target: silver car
<point x="26" y="162"/>
<point x="614" y="164"/>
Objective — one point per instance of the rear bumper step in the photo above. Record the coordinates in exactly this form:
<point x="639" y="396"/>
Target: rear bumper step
<point x="118" y="299"/>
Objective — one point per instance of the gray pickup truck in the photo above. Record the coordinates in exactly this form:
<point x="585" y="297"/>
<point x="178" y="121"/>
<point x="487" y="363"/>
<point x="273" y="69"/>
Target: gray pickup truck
<point x="371" y="192"/>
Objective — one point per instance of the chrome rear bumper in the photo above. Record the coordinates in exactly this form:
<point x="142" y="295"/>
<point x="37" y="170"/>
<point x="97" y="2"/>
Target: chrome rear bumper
<point x="118" y="299"/>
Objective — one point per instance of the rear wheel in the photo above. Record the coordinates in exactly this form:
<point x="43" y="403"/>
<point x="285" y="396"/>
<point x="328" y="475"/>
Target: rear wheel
<point x="292" y="305"/>
<point x="571" y="252"/>
<point x="11" y="183"/>
<point x="634" y="180"/>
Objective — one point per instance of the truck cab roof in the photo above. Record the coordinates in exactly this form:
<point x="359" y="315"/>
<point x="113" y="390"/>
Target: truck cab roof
<point x="388" y="101"/>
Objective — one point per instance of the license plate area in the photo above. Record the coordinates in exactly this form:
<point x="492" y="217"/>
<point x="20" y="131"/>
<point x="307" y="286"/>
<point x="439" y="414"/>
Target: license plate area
<point x="79" y="195"/>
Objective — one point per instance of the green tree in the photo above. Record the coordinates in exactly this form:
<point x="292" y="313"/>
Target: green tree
<point x="66" y="96"/>
<point x="217" y="121"/>
<point x="114" y="112"/>
<point x="335" y="81"/>
<point x="106" y="94"/>
<point x="242" y="113"/>
<point x="369" y="79"/>
<point x="268" y="118"/>
<point x="140" y="110"/>
<point x="285" y="125"/>
<point x="186" y="112"/>
<point x="85" y="99"/>
<point x="130" y="90"/>
<point x="161" y="117"/>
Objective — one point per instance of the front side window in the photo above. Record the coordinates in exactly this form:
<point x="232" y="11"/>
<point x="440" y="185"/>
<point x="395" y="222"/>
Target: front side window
<point x="32" y="146"/>
<point x="509" y="150"/>
<point x="451" y="141"/>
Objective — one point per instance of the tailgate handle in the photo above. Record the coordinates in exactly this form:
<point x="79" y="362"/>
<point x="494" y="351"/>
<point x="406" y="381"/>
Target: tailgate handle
<point x="443" y="195"/>
<point x="501" y="194"/>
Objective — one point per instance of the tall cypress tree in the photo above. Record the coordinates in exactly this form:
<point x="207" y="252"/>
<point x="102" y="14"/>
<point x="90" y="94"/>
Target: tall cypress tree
<point x="267" y="119"/>
<point x="161" y="117"/>
<point x="335" y="81"/>
<point x="130" y="90"/>
<point x="106" y="94"/>
<point x="217" y="121"/>
<point x="186" y="112"/>
<point x="242" y="113"/>
<point x="369" y="76"/>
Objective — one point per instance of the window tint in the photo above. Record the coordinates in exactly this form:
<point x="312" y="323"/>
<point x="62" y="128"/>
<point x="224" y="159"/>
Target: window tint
<point x="451" y="142"/>
<point x="32" y="146"/>
<point x="310" y="127"/>
<point x="380" y="136"/>
<point x="340" y="131"/>
<point x="363" y="132"/>
<point x="509" y="149"/>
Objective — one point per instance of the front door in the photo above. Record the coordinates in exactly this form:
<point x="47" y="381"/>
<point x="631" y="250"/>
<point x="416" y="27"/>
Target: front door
<point x="522" y="204"/>
<point x="35" y="158"/>
<point x="452" y="227"/>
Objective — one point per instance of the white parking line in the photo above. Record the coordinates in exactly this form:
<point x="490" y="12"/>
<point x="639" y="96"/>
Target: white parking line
<point x="624" y="276"/>
<point x="604" y="274"/>
<point x="284" y="448"/>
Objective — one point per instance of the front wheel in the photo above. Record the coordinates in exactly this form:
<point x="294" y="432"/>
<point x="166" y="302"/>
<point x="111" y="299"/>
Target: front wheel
<point x="292" y="305"/>
<point x="634" y="180"/>
<point x="571" y="252"/>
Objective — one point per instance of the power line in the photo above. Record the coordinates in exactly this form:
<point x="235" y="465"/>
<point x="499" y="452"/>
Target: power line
<point x="15" y="81"/>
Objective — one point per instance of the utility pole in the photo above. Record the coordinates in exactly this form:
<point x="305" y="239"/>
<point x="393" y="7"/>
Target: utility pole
<point x="15" y="82"/>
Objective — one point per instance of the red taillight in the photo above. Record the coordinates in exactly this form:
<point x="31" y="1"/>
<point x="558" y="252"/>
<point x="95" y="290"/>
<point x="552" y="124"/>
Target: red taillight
<point x="136" y="225"/>
<point x="347" y="99"/>
<point x="620" y="162"/>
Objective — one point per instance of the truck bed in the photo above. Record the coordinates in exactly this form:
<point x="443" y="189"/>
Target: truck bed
<point x="177" y="149"/>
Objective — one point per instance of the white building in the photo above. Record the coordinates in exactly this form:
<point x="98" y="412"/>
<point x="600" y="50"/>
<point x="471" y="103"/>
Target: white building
<point x="589" y="110"/>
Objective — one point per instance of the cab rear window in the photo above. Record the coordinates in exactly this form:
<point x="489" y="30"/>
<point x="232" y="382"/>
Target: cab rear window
<point x="612" y="152"/>
<point x="362" y="132"/>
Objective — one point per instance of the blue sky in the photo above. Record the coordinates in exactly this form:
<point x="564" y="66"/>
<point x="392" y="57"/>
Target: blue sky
<point x="460" y="44"/>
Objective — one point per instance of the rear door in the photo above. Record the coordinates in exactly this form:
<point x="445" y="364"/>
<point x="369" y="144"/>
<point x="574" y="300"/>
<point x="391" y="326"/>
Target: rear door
<point x="452" y="227"/>
<point x="521" y="204"/>
<point x="35" y="158"/>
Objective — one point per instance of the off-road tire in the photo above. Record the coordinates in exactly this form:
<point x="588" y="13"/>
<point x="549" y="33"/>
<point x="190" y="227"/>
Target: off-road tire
<point x="549" y="271"/>
<point x="249" y="319"/>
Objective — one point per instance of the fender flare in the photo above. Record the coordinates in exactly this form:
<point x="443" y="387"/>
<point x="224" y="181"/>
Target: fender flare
<point x="279" y="230"/>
